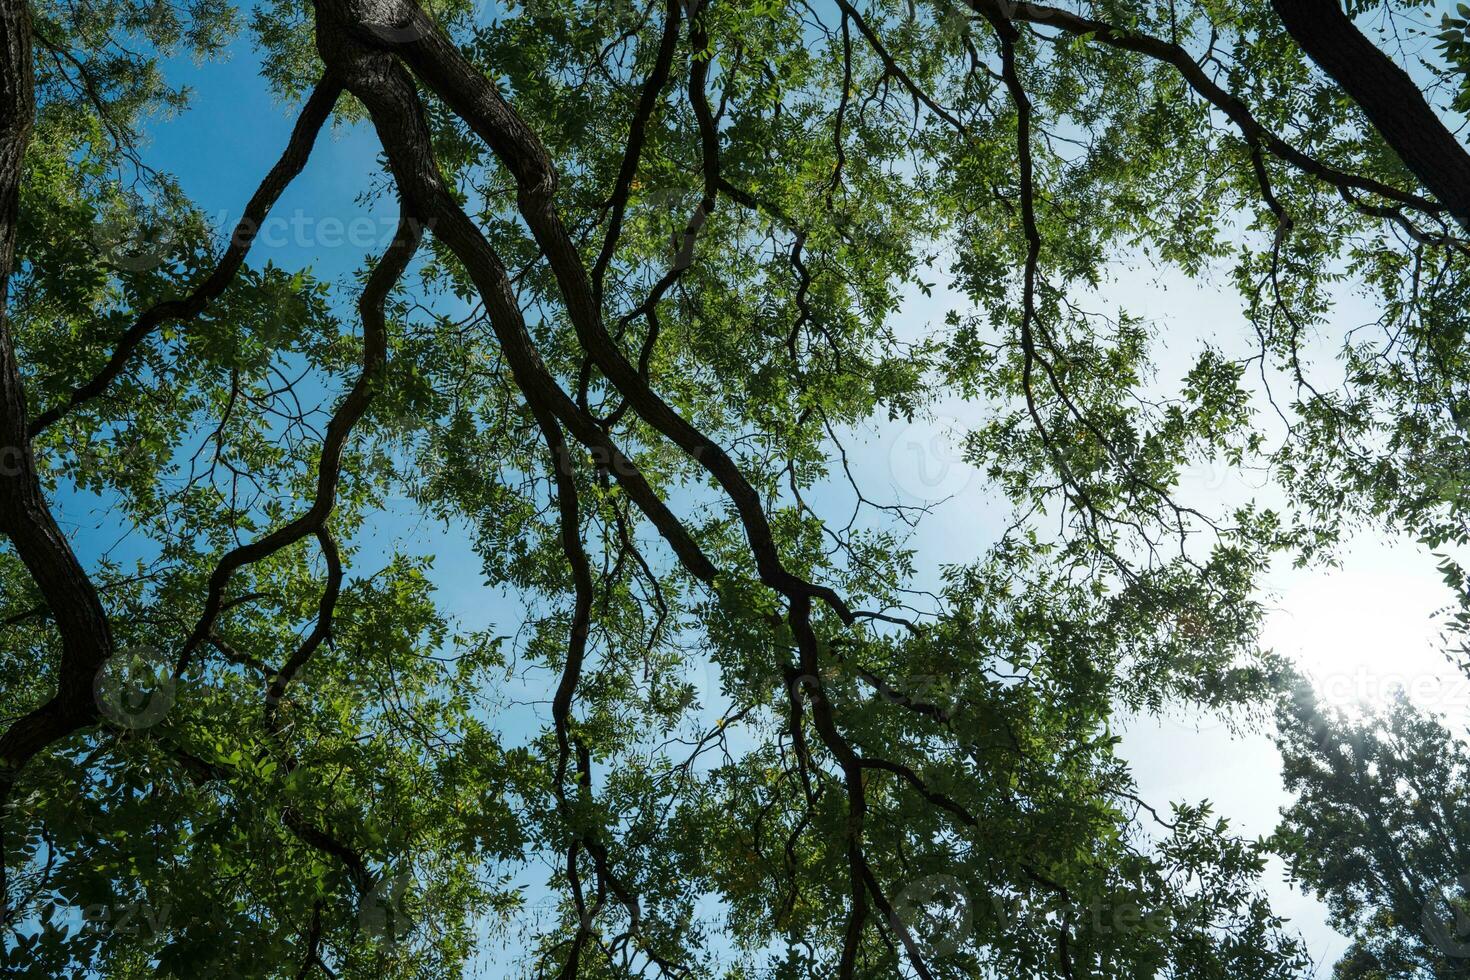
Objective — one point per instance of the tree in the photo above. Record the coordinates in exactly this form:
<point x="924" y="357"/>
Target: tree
<point x="649" y="276"/>
<point x="1379" y="829"/>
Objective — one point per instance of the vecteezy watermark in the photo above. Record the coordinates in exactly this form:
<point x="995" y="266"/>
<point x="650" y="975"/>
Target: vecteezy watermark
<point x="935" y="911"/>
<point x="405" y="24"/>
<point x="938" y="914"/>
<point x="14" y="460"/>
<point x="381" y="914"/>
<point x="138" y="244"/>
<point x="136" y="687"/>
<point x="927" y="459"/>
<point x="303" y="230"/>
<point x="131" y="243"/>
<point x="127" y="919"/>
<point x="1098" y="916"/>
<point x="1446" y="917"/>
<point x="958" y="20"/>
<point x="1365" y="685"/>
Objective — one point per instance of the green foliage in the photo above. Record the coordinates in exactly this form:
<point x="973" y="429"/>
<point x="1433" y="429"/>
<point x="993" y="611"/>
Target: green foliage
<point x="1377" y="830"/>
<point x="409" y="789"/>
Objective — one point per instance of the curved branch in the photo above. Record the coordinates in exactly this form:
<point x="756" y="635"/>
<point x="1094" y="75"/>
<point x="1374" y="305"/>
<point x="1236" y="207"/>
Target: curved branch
<point x="637" y="134"/>
<point x="393" y="103"/>
<point x="329" y="469"/>
<point x="25" y="515"/>
<point x="1173" y="54"/>
<point x="1386" y="93"/>
<point x="276" y="690"/>
<point x="303" y="137"/>
<point x="443" y="68"/>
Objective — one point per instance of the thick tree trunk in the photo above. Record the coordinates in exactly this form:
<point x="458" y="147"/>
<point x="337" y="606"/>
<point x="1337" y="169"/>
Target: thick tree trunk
<point x="25" y="517"/>
<point x="1391" y="99"/>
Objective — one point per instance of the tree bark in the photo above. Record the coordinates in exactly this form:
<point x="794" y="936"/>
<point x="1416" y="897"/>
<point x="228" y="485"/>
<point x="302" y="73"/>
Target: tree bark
<point x="25" y="516"/>
<point x="1385" y="92"/>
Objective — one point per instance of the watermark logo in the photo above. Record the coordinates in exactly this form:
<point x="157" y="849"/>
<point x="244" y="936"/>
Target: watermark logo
<point x="132" y="244"/>
<point x="404" y="24"/>
<point x="927" y="459"/>
<point x="128" y="919"/>
<point x="136" y="687"/>
<point x="1446" y="917"/>
<point x="936" y="913"/>
<point x="381" y="914"/>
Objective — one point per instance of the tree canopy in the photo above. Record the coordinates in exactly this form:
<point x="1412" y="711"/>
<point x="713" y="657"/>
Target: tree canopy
<point x="1379" y="830"/>
<point x="654" y="272"/>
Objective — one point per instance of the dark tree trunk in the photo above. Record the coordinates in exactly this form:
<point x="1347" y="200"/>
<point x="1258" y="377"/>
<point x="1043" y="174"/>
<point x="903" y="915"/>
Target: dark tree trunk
<point x="25" y="517"/>
<point x="1391" y="99"/>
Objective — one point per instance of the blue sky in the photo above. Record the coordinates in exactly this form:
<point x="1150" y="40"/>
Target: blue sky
<point x="1357" y="629"/>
